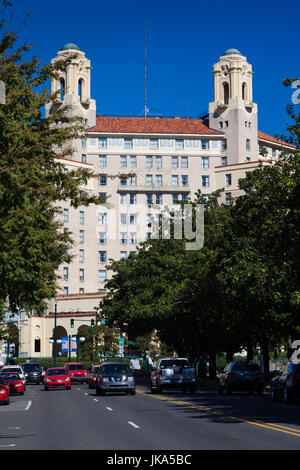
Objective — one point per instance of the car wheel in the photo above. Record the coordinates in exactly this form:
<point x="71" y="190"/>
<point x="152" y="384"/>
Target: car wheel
<point x="7" y="402"/>
<point x="228" y="389"/>
<point x="132" y="392"/>
<point x="152" y="389"/>
<point x="46" y="389"/>
<point x="286" y="395"/>
<point x="192" y="389"/>
<point x="159" y="389"/>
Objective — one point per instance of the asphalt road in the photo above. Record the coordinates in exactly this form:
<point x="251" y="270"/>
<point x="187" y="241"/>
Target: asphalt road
<point x="80" y="420"/>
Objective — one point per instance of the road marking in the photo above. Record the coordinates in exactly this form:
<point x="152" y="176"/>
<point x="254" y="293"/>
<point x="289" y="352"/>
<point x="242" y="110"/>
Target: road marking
<point x="28" y="406"/>
<point x="133" y="424"/>
<point x="109" y="409"/>
<point x="9" y="445"/>
<point x="95" y="399"/>
<point x="14" y="428"/>
<point x="255" y="422"/>
<point x="86" y="394"/>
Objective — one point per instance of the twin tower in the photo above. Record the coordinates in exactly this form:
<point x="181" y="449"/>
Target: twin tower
<point x="232" y="111"/>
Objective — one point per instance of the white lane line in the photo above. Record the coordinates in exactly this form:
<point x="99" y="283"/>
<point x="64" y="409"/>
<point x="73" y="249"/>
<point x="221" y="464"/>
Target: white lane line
<point x="9" y="445"/>
<point x="133" y="424"/>
<point x="86" y="394"/>
<point x="95" y="399"/>
<point x="14" y="427"/>
<point x="28" y="406"/>
<point x="78" y="389"/>
<point x="109" y="409"/>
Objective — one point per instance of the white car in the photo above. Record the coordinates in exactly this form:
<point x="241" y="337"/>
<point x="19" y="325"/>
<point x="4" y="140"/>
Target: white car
<point x="16" y="369"/>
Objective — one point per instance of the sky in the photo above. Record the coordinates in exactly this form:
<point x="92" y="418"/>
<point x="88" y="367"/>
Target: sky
<point x="184" y="40"/>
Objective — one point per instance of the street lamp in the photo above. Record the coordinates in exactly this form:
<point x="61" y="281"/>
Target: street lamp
<point x="55" y="313"/>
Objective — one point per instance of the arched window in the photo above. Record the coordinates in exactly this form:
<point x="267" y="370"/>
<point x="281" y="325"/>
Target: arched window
<point x="244" y="91"/>
<point x="226" y="92"/>
<point x="62" y="88"/>
<point x="80" y="88"/>
<point x="37" y="345"/>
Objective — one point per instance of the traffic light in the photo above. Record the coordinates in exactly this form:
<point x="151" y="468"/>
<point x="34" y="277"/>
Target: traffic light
<point x="93" y="323"/>
<point x="72" y="323"/>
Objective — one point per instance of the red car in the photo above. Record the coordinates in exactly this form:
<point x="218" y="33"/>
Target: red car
<point x="4" y="391"/>
<point x="57" y="377"/>
<point x="14" y="382"/>
<point x="77" y="372"/>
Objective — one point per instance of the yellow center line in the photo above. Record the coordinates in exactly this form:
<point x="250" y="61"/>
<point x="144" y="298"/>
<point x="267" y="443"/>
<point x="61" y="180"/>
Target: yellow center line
<point x="272" y="426"/>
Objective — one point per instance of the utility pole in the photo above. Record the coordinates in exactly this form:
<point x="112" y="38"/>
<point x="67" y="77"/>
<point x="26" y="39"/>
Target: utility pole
<point x="55" y="313"/>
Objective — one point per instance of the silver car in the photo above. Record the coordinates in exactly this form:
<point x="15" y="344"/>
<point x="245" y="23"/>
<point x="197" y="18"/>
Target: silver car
<point x="115" y="377"/>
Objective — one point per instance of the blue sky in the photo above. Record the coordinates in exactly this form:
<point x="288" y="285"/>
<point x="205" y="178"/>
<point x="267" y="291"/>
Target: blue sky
<point x="185" y="39"/>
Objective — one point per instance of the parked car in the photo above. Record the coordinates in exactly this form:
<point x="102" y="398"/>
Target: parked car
<point x="286" y="384"/>
<point x="77" y="372"/>
<point x="4" y="391"/>
<point x="14" y="381"/>
<point x="93" y="376"/>
<point x="33" y="372"/>
<point x="241" y="376"/>
<point x="173" y="372"/>
<point x="57" y="377"/>
<point x="15" y="369"/>
<point x="115" y="377"/>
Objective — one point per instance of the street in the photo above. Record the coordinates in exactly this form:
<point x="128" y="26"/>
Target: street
<point x="80" y="420"/>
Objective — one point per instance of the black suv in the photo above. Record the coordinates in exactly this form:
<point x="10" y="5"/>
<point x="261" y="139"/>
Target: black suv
<point x="33" y="372"/>
<point x="241" y="375"/>
<point x="286" y="384"/>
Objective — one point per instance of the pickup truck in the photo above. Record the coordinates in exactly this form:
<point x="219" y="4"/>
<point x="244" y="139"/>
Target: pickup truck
<point x="173" y="372"/>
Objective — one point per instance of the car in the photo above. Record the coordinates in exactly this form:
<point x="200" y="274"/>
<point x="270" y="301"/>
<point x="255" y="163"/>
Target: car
<point x="14" y="381"/>
<point x="115" y="377"/>
<point x="77" y="372"/>
<point x="173" y="372"/>
<point x="57" y="377"/>
<point x="241" y="376"/>
<point x="286" y="383"/>
<point x="15" y="369"/>
<point x="33" y="372"/>
<point x="4" y="391"/>
<point x="93" y="376"/>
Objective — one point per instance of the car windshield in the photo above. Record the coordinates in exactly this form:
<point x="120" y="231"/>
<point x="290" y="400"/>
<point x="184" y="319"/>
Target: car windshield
<point x="12" y="369"/>
<point x="75" y="367"/>
<point x="31" y="367"/>
<point x="173" y="363"/>
<point x="11" y="376"/>
<point x="115" y="369"/>
<point x="2" y="381"/>
<point x="243" y="366"/>
<point x="96" y="370"/>
<point x="57" y="372"/>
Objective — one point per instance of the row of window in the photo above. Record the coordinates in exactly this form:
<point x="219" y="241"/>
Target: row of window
<point x="130" y="161"/>
<point x="152" y="143"/>
<point x="150" y="180"/>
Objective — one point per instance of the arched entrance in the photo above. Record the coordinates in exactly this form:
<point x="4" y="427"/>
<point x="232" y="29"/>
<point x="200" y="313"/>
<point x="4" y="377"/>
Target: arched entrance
<point x="60" y="333"/>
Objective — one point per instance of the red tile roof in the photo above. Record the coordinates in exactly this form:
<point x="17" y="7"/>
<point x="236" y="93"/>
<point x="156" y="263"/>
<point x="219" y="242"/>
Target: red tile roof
<point x="142" y="125"/>
<point x="263" y="136"/>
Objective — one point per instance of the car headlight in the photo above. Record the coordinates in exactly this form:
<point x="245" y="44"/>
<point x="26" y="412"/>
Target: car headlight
<point x="18" y="385"/>
<point x="2" y="391"/>
<point x="104" y="379"/>
<point x="48" y="380"/>
<point x="130" y="379"/>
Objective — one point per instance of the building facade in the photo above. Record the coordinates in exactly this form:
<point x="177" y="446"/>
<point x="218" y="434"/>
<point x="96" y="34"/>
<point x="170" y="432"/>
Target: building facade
<point x="140" y="161"/>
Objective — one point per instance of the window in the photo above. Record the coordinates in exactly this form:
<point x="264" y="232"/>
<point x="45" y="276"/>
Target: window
<point x="81" y="290"/>
<point x="81" y="275"/>
<point x="226" y="93"/>
<point x="273" y="152"/>
<point x="179" y="143"/>
<point x="66" y="290"/>
<point x="174" y="180"/>
<point x="149" y="235"/>
<point x="153" y="143"/>
<point x="102" y="142"/>
<point x="102" y="180"/>
<point x="148" y="180"/>
<point x="102" y="195"/>
<point x="81" y="256"/>
<point x="166" y="142"/>
<point x="123" y="199"/>
<point x="133" y="252"/>
<point x="228" y="179"/>
<point x="133" y="238"/>
<point x="123" y="238"/>
<point x="184" y="196"/>
<point x="149" y="219"/>
<point x="132" y="219"/>
<point x="158" y="199"/>
<point x="123" y="161"/>
<point x="158" y="162"/>
<point x="248" y="144"/>
<point x="123" y="181"/>
<point x="83" y="143"/>
<point x="123" y="219"/>
<point x="184" y="180"/>
<point x="149" y="198"/>
<point x="102" y="238"/>
<point x="66" y="215"/>
<point x="102" y="256"/>
<point x="92" y="141"/>
<point x="81" y="236"/>
<point x="174" y="162"/>
<point x="224" y="144"/>
<point x="248" y="159"/>
<point x="132" y="199"/>
<point x="123" y="254"/>
<point x="226" y="123"/>
<point x="102" y="218"/>
<point x="148" y="162"/>
<point x="174" y="198"/>
<point x="227" y="199"/>
<point x="158" y="180"/>
<point x="205" y="162"/>
<point x="205" y="181"/>
<point x="223" y="161"/>
<point x="128" y="143"/>
<point x="83" y="158"/>
<point x="81" y="217"/>
<point x="37" y="345"/>
<point x="101" y="275"/>
<point x="66" y="274"/>
<point x="132" y="180"/>
<point x="205" y="144"/>
<point x="132" y="161"/>
<point x="184" y="162"/>
<point x="221" y="124"/>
